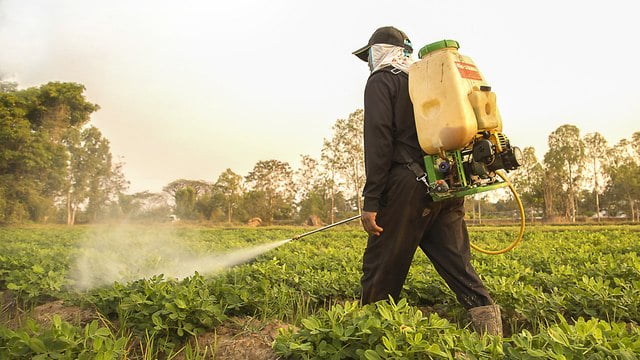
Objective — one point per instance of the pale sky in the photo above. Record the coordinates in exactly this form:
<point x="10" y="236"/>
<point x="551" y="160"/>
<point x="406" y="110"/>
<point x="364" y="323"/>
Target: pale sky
<point x="190" y="88"/>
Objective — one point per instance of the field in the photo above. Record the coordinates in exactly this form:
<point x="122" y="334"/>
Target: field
<point x="566" y="293"/>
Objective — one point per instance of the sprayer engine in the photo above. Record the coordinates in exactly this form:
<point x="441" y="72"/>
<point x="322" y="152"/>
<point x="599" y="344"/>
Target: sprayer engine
<point x="489" y="153"/>
<point x="472" y="169"/>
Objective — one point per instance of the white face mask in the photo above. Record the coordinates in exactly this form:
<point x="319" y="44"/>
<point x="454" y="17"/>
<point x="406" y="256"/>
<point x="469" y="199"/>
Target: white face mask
<point x="370" y="61"/>
<point x="381" y="55"/>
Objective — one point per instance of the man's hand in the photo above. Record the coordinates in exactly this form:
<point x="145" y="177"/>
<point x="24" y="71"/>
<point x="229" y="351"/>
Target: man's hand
<point x="368" y="219"/>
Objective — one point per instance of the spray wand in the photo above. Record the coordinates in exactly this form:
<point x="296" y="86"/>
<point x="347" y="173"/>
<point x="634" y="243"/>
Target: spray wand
<point x="326" y="227"/>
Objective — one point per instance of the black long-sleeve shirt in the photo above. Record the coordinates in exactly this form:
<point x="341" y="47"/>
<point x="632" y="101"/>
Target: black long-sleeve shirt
<point x="389" y="125"/>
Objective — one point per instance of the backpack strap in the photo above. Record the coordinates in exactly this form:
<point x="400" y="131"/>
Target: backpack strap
<point x="410" y="163"/>
<point x="415" y="168"/>
<point x="391" y="69"/>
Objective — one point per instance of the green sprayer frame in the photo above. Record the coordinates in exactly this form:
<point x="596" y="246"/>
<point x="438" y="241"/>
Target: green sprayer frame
<point x="463" y="188"/>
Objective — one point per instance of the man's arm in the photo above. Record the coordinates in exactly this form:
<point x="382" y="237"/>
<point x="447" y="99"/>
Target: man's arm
<point x="369" y="223"/>
<point x="378" y="145"/>
<point x="378" y="137"/>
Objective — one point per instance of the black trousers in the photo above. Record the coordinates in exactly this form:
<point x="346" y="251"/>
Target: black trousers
<point x="410" y="219"/>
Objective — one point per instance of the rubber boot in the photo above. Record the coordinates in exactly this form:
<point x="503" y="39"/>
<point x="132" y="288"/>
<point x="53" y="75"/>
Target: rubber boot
<point x="486" y="319"/>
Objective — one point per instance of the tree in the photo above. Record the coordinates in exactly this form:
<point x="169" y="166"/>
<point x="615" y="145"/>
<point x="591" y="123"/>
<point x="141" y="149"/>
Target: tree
<point x="635" y="143"/>
<point x="271" y="183"/>
<point x="623" y="169"/>
<point x="199" y="187"/>
<point x="191" y="197"/>
<point x="186" y="203"/>
<point x="31" y="171"/>
<point x="229" y="185"/>
<point x="345" y="152"/>
<point x="308" y="197"/>
<point x="93" y="179"/>
<point x="564" y="164"/>
<point x="307" y="176"/>
<point x="131" y="204"/>
<point x="317" y="192"/>
<point x="32" y="166"/>
<point x="596" y="149"/>
<point x="624" y="186"/>
<point x="108" y="181"/>
<point x="210" y="204"/>
<point x="529" y="181"/>
<point x="59" y="109"/>
<point x="48" y="153"/>
<point x="8" y="86"/>
<point x="144" y="205"/>
<point x="319" y="202"/>
<point x="331" y="180"/>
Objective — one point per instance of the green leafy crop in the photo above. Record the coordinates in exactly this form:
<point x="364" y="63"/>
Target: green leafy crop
<point x="565" y="293"/>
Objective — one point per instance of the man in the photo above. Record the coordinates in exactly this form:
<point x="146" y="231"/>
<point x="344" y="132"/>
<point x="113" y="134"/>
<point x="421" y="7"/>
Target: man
<point x="398" y="214"/>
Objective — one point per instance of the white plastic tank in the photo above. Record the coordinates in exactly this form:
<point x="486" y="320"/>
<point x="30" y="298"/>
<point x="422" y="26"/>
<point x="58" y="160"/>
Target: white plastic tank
<point x="451" y="100"/>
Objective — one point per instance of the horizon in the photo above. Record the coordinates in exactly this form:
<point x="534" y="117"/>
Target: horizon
<point x="210" y="86"/>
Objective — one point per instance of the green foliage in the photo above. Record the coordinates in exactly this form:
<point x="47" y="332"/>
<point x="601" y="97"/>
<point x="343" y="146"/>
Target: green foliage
<point x="587" y="275"/>
<point x="169" y="311"/>
<point x="31" y="165"/>
<point x="564" y="165"/>
<point x="623" y="187"/>
<point x="272" y="192"/>
<point x="529" y="180"/>
<point x="585" y="339"/>
<point x="46" y="152"/>
<point x="208" y="205"/>
<point x="229" y="186"/>
<point x="144" y="205"/>
<point x="343" y="154"/>
<point x="186" y="203"/>
<point x="57" y="106"/>
<point x="34" y="263"/>
<point x="92" y="178"/>
<point x="384" y="330"/>
<point x="61" y="341"/>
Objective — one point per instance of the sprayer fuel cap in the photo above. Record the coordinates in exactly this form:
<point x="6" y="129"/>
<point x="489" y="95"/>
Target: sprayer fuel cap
<point x="437" y="46"/>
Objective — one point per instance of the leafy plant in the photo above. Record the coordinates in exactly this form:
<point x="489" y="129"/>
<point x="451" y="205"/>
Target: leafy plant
<point x="61" y="341"/>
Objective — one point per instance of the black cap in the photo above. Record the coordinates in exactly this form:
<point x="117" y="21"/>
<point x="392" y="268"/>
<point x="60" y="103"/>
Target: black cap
<point x="384" y="35"/>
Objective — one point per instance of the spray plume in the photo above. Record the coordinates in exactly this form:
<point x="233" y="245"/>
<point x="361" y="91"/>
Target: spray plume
<point x="127" y="253"/>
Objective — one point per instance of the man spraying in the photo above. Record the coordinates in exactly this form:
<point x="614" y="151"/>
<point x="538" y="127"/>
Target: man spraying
<point x="398" y="214"/>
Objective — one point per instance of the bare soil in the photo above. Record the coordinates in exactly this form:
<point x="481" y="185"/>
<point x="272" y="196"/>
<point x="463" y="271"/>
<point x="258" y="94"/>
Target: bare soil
<point x="69" y="313"/>
<point x="243" y="338"/>
<point x="13" y="316"/>
<point x="9" y="309"/>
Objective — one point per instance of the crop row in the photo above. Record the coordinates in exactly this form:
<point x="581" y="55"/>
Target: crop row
<point x="556" y="274"/>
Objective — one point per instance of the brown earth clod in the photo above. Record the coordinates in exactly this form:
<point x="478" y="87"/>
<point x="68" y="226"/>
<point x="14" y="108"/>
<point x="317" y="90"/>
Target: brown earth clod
<point x="240" y="339"/>
<point x="69" y="313"/>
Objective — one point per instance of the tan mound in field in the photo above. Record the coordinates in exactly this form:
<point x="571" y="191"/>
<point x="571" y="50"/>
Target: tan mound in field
<point x="240" y="339"/>
<point x="314" y="220"/>
<point x="69" y="313"/>
<point x="13" y="317"/>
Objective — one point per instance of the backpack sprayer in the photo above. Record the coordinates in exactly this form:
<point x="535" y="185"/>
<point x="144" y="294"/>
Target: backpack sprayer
<point x="460" y="129"/>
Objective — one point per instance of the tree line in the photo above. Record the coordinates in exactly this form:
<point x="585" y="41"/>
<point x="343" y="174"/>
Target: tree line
<point x="320" y="191"/>
<point x="53" y="164"/>
<point x="581" y="177"/>
<point x="56" y="167"/>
